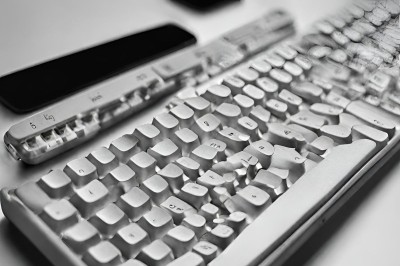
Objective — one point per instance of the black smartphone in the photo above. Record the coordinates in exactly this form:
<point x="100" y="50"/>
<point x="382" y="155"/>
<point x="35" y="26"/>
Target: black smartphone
<point x="37" y="86"/>
<point x="205" y="5"/>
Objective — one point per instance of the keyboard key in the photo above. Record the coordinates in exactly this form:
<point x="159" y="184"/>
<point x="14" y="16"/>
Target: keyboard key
<point x="204" y="155"/>
<point x="180" y="239"/>
<point x="251" y="200"/>
<point x="210" y="180"/>
<point x="217" y="94"/>
<point x="135" y="203"/>
<point x="199" y="105"/>
<point x="288" y="158"/>
<point x="206" y="126"/>
<point x="103" y="159"/>
<point x="248" y="127"/>
<point x="184" y="114"/>
<point x="274" y="60"/>
<point x="255" y="93"/>
<point x="308" y="120"/>
<point x="206" y="250"/>
<point x="270" y="183"/>
<point x="143" y="165"/>
<point x="237" y="221"/>
<point x="244" y="102"/>
<point x="221" y="236"/>
<point x="292" y="101"/>
<point x="157" y="188"/>
<point x="148" y="136"/>
<point x="337" y="100"/>
<point x="124" y="147"/>
<point x="166" y="123"/>
<point x="293" y="69"/>
<point x="309" y="135"/>
<point x="227" y="113"/>
<point x="304" y="63"/>
<point x="366" y="132"/>
<point x="283" y="78"/>
<point x="157" y="222"/>
<point x="248" y="75"/>
<point x="188" y="259"/>
<point x="81" y="236"/>
<point x="157" y="254"/>
<point x="189" y="166"/>
<point x="263" y="150"/>
<point x="269" y="86"/>
<point x="131" y="239"/>
<point x="186" y="140"/>
<point x="165" y="152"/>
<point x="81" y="171"/>
<point x="219" y="146"/>
<point x="56" y="184"/>
<point x="261" y="66"/>
<point x="283" y="135"/>
<point x="372" y="118"/>
<point x="133" y="262"/>
<point x="233" y="83"/>
<point x="173" y="174"/>
<point x="320" y="145"/>
<point x="120" y="180"/>
<point x="103" y="253"/>
<point x="261" y="116"/>
<point x="209" y="211"/>
<point x="338" y="133"/>
<point x="90" y="198"/>
<point x="33" y="197"/>
<point x="329" y="111"/>
<point x="59" y="215"/>
<point x="109" y="220"/>
<point x="194" y="194"/>
<point x="234" y="140"/>
<point x="196" y="223"/>
<point x="177" y="208"/>
<point x="308" y="91"/>
<point x="277" y="108"/>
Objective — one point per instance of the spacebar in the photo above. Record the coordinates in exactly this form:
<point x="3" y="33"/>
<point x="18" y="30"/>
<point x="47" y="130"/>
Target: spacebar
<point x="305" y="197"/>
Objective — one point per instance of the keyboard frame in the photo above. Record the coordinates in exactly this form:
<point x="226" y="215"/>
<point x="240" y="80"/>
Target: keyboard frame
<point x="54" y="248"/>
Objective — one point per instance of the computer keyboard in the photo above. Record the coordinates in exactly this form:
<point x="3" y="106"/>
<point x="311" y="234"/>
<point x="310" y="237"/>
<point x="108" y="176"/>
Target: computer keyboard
<point x="238" y="170"/>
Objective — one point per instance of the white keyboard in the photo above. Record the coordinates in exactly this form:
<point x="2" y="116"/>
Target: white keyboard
<point x="242" y="165"/>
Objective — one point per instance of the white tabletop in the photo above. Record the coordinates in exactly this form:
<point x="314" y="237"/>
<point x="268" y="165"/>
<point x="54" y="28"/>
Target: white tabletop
<point x="365" y="232"/>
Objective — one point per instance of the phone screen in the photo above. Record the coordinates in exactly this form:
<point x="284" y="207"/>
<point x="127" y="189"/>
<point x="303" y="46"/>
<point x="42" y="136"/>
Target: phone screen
<point x="45" y="83"/>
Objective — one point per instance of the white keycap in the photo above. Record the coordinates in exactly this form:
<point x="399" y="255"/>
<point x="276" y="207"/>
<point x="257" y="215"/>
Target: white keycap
<point x="206" y="250"/>
<point x="120" y="180"/>
<point x="237" y="221"/>
<point x="206" y="126"/>
<point x="235" y="140"/>
<point x="270" y="183"/>
<point x="217" y="94"/>
<point x="135" y="203"/>
<point x="283" y="135"/>
<point x="33" y="197"/>
<point x="219" y="146"/>
<point x="308" y="120"/>
<point x="251" y="200"/>
<point x="261" y="116"/>
<point x="148" y="136"/>
<point x="103" y="253"/>
<point x="199" y="105"/>
<point x="157" y="254"/>
<point x="156" y="222"/>
<point x="81" y="171"/>
<point x="228" y="113"/>
<point x="269" y="86"/>
<point x="340" y="134"/>
<point x="165" y="152"/>
<point x="196" y="223"/>
<point x="157" y="188"/>
<point x="288" y="158"/>
<point x="210" y="180"/>
<point x="261" y="66"/>
<point x="186" y="140"/>
<point x="90" y="198"/>
<point x="258" y="95"/>
<point x="248" y="75"/>
<point x="124" y="147"/>
<point x="131" y="239"/>
<point x="166" y="123"/>
<point x="244" y="102"/>
<point x="263" y="150"/>
<point x="320" y="145"/>
<point x="283" y="78"/>
<point x="329" y="111"/>
<point x="173" y="174"/>
<point x="366" y="132"/>
<point x="184" y="114"/>
<point x="180" y="239"/>
<point x="56" y="184"/>
<point x="189" y="166"/>
<point x="143" y="165"/>
<point x="194" y="194"/>
<point x="293" y="101"/>
<point x="209" y="211"/>
<point x="233" y="83"/>
<point x="81" y="236"/>
<point x="308" y="91"/>
<point x="221" y="236"/>
<point x="59" y="215"/>
<point x="104" y="160"/>
<point x="204" y="155"/>
<point x="109" y="220"/>
<point x="177" y="208"/>
<point x="188" y="259"/>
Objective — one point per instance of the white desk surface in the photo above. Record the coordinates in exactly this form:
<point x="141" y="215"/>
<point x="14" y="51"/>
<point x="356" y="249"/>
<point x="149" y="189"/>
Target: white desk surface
<point x="365" y="232"/>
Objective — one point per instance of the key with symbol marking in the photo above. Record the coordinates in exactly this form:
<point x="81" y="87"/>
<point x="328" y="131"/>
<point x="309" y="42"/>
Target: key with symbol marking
<point x="59" y="215"/>
<point x="157" y="222"/>
<point x="177" y="208"/>
<point x="104" y="160"/>
<point x="206" y="250"/>
<point x="81" y="171"/>
<point x="131" y="239"/>
<point x="194" y="194"/>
